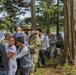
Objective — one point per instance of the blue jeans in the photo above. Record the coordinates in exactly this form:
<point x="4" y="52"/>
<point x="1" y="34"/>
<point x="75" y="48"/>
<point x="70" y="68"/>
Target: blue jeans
<point x="3" y="73"/>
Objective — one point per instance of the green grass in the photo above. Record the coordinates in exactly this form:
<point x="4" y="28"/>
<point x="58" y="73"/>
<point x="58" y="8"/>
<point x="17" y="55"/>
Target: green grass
<point x="47" y="69"/>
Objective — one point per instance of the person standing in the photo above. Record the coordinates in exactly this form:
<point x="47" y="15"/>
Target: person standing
<point x="34" y="46"/>
<point x="23" y="54"/>
<point x="43" y="47"/>
<point x="32" y="30"/>
<point x="48" y="46"/>
<point x="3" y="61"/>
<point x="60" y="42"/>
<point x="18" y="32"/>
<point x="53" y="42"/>
<point x="7" y="38"/>
<point x="11" y="50"/>
<point x="27" y="32"/>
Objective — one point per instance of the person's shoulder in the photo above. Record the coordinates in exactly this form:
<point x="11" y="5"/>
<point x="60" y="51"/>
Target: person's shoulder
<point x="6" y="45"/>
<point x="32" y="38"/>
<point x="14" y="46"/>
<point x="17" y="33"/>
<point x="12" y="49"/>
<point x="38" y="39"/>
<point x="14" y="34"/>
<point x="43" y="35"/>
<point x="25" y="48"/>
<point x="1" y="44"/>
<point x="2" y="47"/>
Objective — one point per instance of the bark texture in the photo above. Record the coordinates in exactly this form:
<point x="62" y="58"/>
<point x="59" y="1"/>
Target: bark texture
<point x="69" y="53"/>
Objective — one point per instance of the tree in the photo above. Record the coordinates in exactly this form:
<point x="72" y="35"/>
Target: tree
<point x="33" y="13"/>
<point x="69" y="54"/>
<point x="46" y="10"/>
<point x="48" y="17"/>
<point x="64" y="55"/>
<point x="57" y="19"/>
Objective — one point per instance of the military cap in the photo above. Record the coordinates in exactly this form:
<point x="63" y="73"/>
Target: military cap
<point x="37" y="31"/>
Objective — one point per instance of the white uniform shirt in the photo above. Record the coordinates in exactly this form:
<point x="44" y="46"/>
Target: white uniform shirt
<point x="12" y="61"/>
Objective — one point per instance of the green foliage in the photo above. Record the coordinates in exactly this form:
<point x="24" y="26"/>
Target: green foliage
<point x="62" y="1"/>
<point x="6" y="24"/>
<point x="11" y="7"/>
<point x="52" y="11"/>
<point x="1" y="1"/>
<point x="69" y="69"/>
<point x="45" y="9"/>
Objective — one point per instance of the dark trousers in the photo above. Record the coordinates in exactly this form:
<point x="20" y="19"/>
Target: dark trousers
<point x="55" y="53"/>
<point x="18" y="65"/>
<point x="24" y="71"/>
<point x="42" y="54"/>
<point x="48" y="53"/>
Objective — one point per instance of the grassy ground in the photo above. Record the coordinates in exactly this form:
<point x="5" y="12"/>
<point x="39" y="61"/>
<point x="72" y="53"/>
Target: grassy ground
<point x="48" y="69"/>
<point x="51" y="69"/>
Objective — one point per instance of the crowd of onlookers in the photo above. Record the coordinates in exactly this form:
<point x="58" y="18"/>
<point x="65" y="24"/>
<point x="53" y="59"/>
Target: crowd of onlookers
<point x="28" y="49"/>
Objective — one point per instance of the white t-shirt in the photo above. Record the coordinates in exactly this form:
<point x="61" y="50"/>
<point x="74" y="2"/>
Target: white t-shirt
<point x="12" y="61"/>
<point x="47" y="38"/>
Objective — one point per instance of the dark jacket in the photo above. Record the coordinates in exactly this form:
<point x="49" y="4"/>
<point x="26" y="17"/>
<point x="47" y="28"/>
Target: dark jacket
<point x="3" y="58"/>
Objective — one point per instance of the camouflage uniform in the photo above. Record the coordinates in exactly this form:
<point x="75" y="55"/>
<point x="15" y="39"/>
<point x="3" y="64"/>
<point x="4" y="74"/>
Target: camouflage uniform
<point x="53" y="42"/>
<point x="34" y="45"/>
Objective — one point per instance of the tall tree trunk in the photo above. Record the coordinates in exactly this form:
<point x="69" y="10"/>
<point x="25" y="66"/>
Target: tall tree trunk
<point x="57" y="19"/>
<point x="48" y="17"/>
<point x="64" y="55"/>
<point x="33" y="13"/>
<point x="69" y="54"/>
<point x="74" y="30"/>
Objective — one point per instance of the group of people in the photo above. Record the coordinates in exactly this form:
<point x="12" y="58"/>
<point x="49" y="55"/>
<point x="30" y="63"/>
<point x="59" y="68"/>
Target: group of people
<point x="25" y="49"/>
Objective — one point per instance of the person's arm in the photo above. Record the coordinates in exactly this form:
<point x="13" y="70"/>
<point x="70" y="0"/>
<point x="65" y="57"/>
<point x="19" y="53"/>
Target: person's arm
<point x="22" y="53"/>
<point x="31" y="46"/>
<point x="10" y="54"/>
